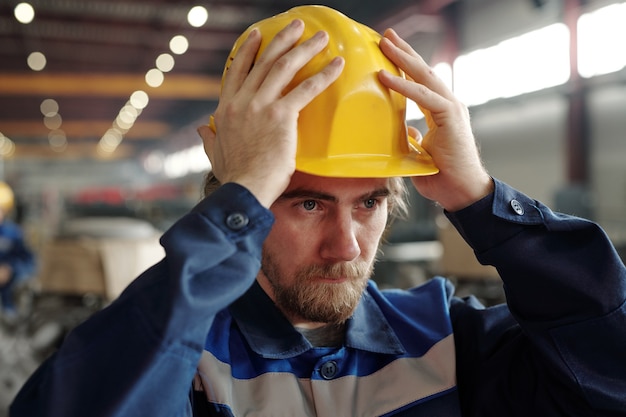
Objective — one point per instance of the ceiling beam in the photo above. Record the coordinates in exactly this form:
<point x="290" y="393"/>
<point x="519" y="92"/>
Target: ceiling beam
<point x="434" y="6"/>
<point x="410" y="21"/>
<point x="175" y="86"/>
<point x="79" y="129"/>
<point x="72" y="151"/>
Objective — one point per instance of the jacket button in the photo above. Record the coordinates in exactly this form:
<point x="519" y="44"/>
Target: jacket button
<point x="517" y="207"/>
<point x="329" y="370"/>
<point x="236" y="221"/>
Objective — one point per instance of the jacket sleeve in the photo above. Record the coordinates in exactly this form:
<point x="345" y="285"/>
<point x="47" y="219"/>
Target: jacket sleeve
<point x="138" y="356"/>
<point x="564" y="350"/>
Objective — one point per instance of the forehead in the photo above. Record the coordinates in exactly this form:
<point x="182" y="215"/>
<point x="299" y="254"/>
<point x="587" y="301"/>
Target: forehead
<point x="338" y="187"/>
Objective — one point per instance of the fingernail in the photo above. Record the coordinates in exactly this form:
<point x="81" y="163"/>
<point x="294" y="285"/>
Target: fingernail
<point x="321" y="34"/>
<point x="338" y="60"/>
<point x="296" y="23"/>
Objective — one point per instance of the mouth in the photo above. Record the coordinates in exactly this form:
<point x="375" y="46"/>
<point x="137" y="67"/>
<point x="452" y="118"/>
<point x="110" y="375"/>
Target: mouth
<point x="331" y="280"/>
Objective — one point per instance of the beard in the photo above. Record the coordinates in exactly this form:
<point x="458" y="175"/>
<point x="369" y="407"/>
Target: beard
<point x="320" y="302"/>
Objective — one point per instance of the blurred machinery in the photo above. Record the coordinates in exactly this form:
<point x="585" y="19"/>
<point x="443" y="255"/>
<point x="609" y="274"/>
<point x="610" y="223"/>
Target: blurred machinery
<point x="404" y="264"/>
<point x="98" y="256"/>
<point x="82" y="269"/>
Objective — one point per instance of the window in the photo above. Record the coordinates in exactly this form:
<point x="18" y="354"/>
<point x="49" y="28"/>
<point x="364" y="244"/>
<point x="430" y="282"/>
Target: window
<point x="526" y="63"/>
<point x="601" y="37"/>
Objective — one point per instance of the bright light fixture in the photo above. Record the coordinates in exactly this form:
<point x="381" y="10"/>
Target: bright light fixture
<point x="197" y="16"/>
<point x="601" y="36"/>
<point x="24" y="13"/>
<point x="179" y="44"/>
<point x="36" y="61"/>
<point x="154" y="78"/>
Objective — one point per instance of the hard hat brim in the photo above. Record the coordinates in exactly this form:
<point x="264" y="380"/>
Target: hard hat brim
<point x="417" y="163"/>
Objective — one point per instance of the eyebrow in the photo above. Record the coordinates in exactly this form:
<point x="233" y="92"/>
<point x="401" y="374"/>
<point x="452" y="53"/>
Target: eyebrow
<point x="318" y="195"/>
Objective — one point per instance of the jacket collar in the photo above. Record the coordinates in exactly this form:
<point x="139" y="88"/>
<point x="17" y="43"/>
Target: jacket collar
<point x="271" y="335"/>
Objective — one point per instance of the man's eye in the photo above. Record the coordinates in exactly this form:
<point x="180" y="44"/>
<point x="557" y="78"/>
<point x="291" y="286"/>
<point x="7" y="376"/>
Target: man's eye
<point x="309" y="204"/>
<point x="370" y="203"/>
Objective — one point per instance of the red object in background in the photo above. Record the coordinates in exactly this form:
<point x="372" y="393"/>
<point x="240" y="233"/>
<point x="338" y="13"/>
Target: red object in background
<point x="108" y="195"/>
<point x="117" y="196"/>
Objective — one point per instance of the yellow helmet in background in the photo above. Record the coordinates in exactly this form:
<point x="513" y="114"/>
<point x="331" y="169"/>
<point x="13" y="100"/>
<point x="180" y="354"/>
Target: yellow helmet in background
<point x="7" y="199"/>
<point x="356" y="127"/>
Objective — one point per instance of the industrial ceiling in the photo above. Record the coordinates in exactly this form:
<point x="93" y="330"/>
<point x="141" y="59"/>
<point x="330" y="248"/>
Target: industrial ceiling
<point x="97" y="53"/>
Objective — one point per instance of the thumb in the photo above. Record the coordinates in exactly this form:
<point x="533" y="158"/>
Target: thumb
<point x="208" y="139"/>
<point x="414" y="133"/>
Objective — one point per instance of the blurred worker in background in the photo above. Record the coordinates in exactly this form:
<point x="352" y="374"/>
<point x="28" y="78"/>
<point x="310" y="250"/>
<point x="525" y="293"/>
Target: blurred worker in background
<point x="264" y="299"/>
<point x="17" y="262"/>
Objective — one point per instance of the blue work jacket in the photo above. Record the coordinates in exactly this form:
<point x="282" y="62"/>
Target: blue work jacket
<point x="14" y="251"/>
<point x="557" y="349"/>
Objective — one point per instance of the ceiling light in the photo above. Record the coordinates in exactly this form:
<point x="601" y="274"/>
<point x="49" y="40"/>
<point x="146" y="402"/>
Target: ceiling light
<point x="122" y="123"/>
<point x="154" y="77"/>
<point x="197" y="16"/>
<point x="53" y="122"/>
<point x="36" y="61"/>
<point x="139" y="99"/>
<point x="110" y="141"/>
<point x="7" y="147"/>
<point x="57" y="140"/>
<point x="49" y="107"/>
<point x="24" y="13"/>
<point x="128" y="113"/>
<point x="179" y="44"/>
<point x="165" y="62"/>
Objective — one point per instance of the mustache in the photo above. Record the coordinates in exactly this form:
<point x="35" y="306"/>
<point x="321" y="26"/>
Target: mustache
<point x="339" y="270"/>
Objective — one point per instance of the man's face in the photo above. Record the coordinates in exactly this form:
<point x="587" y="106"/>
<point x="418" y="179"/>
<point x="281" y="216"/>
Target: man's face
<point x="320" y="253"/>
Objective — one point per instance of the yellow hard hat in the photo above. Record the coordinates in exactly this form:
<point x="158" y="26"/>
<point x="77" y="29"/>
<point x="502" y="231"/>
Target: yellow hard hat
<point x="356" y="127"/>
<point x="6" y="197"/>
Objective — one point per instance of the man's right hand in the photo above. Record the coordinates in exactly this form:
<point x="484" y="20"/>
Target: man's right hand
<point x="256" y="125"/>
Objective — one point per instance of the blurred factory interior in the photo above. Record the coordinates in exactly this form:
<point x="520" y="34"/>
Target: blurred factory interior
<point x="100" y="101"/>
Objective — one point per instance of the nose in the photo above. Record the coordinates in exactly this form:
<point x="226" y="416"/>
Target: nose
<point x="340" y="243"/>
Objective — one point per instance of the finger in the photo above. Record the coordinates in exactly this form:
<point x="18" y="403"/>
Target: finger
<point x="415" y="134"/>
<point x="286" y="67"/>
<point x="241" y="63"/>
<point x="282" y="43"/>
<point x="307" y="90"/>
<point x="393" y="36"/>
<point x="420" y="94"/>
<point x="405" y="57"/>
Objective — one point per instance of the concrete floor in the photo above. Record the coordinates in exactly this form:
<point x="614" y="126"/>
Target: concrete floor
<point x="26" y="342"/>
<point x="18" y="360"/>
